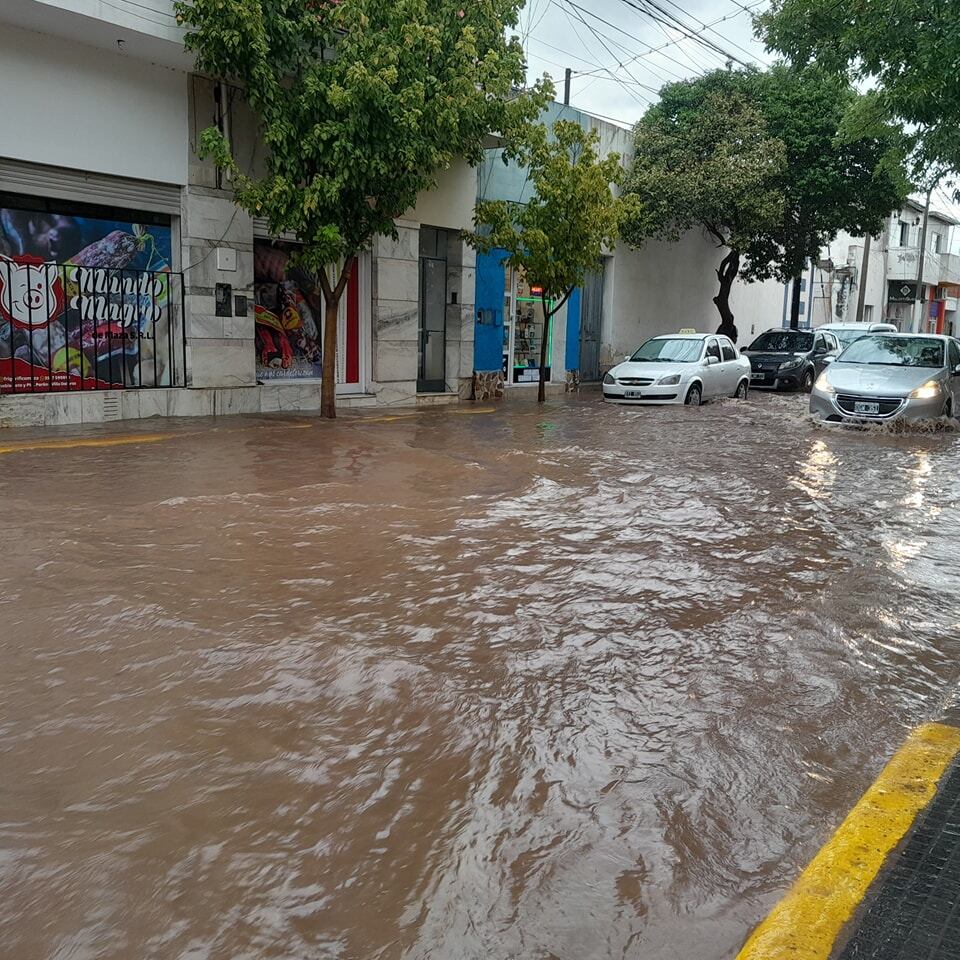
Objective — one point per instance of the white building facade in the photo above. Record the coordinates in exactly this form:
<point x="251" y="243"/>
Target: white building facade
<point x="130" y="283"/>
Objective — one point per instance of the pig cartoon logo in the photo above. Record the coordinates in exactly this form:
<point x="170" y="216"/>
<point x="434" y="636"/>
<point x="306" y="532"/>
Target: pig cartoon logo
<point x="31" y="294"/>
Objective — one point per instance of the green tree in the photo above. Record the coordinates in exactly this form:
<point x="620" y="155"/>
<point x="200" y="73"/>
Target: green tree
<point x="704" y="157"/>
<point x="563" y="231"/>
<point x="360" y="103"/>
<point x="909" y="50"/>
<point x="768" y="165"/>
<point x="834" y="179"/>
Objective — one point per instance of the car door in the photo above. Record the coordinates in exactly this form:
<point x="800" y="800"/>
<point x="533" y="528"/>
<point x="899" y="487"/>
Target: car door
<point x="713" y="369"/>
<point x="953" y="352"/>
<point x="730" y="366"/>
<point x="821" y="347"/>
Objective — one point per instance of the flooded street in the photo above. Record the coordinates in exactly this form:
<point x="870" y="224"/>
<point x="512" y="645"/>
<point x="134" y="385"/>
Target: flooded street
<point x="482" y="684"/>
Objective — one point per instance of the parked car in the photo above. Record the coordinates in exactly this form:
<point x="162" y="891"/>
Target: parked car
<point x="679" y="368"/>
<point x="847" y="333"/>
<point x="889" y="377"/>
<point x="789" y="359"/>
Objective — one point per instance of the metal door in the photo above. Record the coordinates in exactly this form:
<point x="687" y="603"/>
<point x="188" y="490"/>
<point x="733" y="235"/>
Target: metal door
<point x="591" y="312"/>
<point x="431" y="377"/>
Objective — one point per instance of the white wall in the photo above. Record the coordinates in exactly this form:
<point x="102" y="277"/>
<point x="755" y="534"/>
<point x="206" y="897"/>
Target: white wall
<point x="75" y="106"/>
<point x="665" y="287"/>
<point x="452" y="203"/>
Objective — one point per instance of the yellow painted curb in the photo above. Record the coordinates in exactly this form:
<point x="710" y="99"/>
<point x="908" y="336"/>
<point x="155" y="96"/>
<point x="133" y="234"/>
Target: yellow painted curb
<point x="86" y="442"/>
<point x="806" y="923"/>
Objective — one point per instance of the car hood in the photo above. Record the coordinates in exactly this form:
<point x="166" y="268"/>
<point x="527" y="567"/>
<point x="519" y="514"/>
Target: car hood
<point x="878" y="381"/>
<point x="653" y="370"/>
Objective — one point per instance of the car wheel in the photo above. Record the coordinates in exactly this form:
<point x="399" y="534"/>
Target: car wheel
<point x="807" y="385"/>
<point x="741" y="391"/>
<point x="694" y="396"/>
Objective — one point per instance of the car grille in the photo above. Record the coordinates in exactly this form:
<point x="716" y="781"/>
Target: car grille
<point x="888" y="405"/>
<point x="635" y="381"/>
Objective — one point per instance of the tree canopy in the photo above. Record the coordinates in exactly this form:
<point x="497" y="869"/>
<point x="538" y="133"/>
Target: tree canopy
<point x="361" y="104"/>
<point x="766" y="164"/>
<point x="909" y="50"/>
<point x="834" y="179"/>
<point x="573" y="217"/>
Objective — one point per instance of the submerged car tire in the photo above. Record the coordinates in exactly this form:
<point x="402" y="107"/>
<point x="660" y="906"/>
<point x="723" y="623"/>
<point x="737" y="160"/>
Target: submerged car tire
<point x="806" y="384"/>
<point x="694" y="396"/>
<point x="741" y="392"/>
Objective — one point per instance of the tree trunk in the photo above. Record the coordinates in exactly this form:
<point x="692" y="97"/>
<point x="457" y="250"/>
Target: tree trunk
<point x="726" y="274"/>
<point x="331" y="299"/>
<point x="547" y="318"/>
<point x="795" y="304"/>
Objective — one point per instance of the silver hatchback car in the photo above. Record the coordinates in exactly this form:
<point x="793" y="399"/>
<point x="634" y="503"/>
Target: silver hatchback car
<point x="890" y="377"/>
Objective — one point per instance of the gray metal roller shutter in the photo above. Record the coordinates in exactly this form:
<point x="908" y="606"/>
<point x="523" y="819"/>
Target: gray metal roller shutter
<point x="261" y="229"/>
<point x="62" y="183"/>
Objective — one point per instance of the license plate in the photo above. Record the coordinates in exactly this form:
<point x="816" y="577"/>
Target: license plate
<point x="632" y="394"/>
<point x="758" y="376"/>
<point x="866" y="407"/>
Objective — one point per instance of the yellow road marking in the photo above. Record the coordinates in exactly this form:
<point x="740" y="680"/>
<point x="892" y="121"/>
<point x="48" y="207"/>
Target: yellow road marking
<point x="806" y="923"/>
<point x="87" y="442"/>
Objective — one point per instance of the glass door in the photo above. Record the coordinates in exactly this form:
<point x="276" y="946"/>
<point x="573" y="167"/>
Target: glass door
<point x="431" y="375"/>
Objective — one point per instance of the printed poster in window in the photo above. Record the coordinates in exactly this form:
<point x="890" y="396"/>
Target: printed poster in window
<point x="287" y="306"/>
<point x="84" y="301"/>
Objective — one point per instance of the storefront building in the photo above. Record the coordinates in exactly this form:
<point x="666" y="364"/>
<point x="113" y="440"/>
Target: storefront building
<point x="132" y="286"/>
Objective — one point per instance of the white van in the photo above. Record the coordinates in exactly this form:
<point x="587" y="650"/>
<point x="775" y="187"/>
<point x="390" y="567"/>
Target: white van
<point x="846" y="333"/>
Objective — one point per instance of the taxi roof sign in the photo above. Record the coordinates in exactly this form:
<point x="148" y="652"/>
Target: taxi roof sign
<point x="687" y="330"/>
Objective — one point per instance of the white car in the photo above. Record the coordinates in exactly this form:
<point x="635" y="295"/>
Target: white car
<point x="847" y="333"/>
<point x="688" y="368"/>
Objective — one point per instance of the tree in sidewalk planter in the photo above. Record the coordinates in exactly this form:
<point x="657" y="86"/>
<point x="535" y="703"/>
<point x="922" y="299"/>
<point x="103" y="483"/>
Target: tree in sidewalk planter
<point x="834" y="178"/>
<point x="907" y="50"/>
<point x="360" y="104"/>
<point x="704" y="157"/>
<point x="563" y="231"/>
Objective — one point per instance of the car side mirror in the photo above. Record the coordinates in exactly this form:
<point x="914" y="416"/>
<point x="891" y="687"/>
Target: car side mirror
<point x="626" y="359"/>
<point x="956" y="370"/>
<point x="829" y="358"/>
<point x="710" y="361"/>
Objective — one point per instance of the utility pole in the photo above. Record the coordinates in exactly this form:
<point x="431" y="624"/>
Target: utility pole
<point x="566" y="87"/>
<point x="921" y="287"/>
<point x="864" y="270"/>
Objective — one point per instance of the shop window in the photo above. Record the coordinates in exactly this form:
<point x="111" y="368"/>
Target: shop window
<point x="528" y="331"/>
<point x="289" y="311"/>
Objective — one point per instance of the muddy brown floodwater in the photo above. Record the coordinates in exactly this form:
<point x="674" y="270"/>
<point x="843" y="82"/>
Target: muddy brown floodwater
<point x="576" y="683"/>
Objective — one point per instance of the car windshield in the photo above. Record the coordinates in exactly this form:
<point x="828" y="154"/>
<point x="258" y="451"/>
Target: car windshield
<point x="666" y="350"/>
<point x="783" y="341"/>
<point x="889" y="351"/>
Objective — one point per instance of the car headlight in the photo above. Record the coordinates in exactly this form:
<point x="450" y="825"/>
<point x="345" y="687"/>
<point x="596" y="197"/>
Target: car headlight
<point x="669" y="381"/>
<point x="928" y="391"/>
<point x="609" y="378"/>
<point x="823" y="384"/>
<point x="791" y="364"/>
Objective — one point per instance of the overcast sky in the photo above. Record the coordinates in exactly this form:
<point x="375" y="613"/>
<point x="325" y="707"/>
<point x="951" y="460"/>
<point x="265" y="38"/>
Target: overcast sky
<point x="621" y="63"/>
